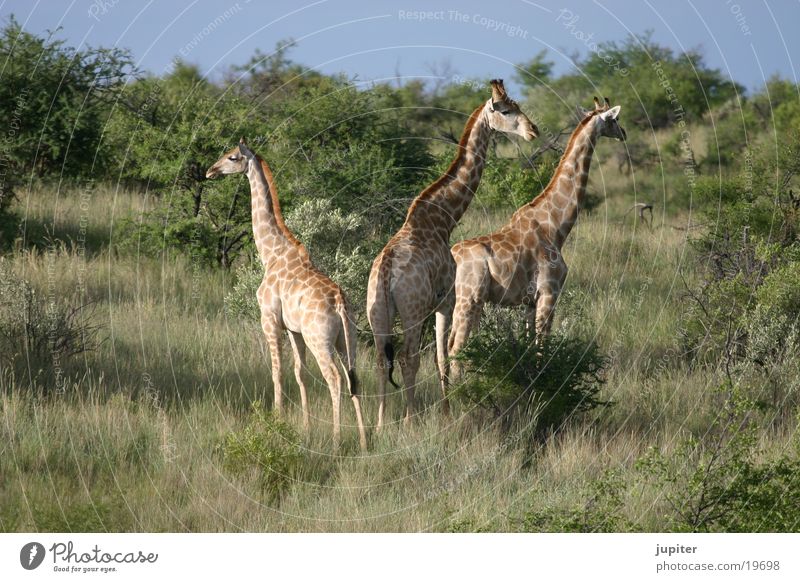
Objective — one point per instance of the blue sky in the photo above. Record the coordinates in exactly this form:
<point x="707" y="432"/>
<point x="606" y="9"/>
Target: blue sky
<point x="748" y="40"/>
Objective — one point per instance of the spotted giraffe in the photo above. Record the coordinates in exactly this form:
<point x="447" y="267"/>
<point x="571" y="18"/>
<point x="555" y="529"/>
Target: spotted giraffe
<point x="522" y="262"/>
<point x="414" y="274"/>
<point x="294" y="295"/>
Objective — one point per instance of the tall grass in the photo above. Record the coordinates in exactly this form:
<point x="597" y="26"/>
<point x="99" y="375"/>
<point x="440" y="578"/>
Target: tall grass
<point x="135" y="440"/>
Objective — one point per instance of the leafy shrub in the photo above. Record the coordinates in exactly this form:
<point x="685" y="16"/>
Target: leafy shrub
<point x="750" y="258"/>
<point x="39" y="336"/>
<point x="720" y="481"/>
<point x="509" y="183"/>
<point x="542" y="384"/>
<point x="267" y="447"/>
<point x="162" y="231"/>
<point x="601" y="511"/>
<point x="58" y="97"/>
<point x="241" y="301"/>
<point x="334" y="241"/>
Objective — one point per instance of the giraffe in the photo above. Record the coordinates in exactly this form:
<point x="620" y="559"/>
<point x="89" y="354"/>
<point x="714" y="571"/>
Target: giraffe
<point x="295" y="295"/>
<point x="414" y="273"/>
<point x="522" y="262"/>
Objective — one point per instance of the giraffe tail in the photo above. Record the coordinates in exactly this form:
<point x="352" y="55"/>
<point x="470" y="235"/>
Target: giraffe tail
<point x="388" y="347"/>
<point x="349" y="331"/>
<point x="388" y="350"/>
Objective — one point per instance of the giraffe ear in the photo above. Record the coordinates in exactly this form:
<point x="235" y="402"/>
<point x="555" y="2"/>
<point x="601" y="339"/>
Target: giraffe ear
<point x="581" y="112"/>
<point x="612" y="113"/>
<point x="246" y="151"/>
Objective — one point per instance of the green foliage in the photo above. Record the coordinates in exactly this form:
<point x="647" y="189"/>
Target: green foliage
<point x="171" y="130"/>
<point x="507" y="183"/>
<point x="741" y="123"/>
<point x="333" y="241"/>
<point x="167" y="230"/>
<point x="267" y="447"/>
<point x="600" y="512"/>
<point x="326" y="139"/>
<point x="241" y="301"/>
<point x="350" y="147"/>
<point x="536" y="71"/>
<point x="9" y="220"/>
<point x="39" y="335"/>
<point x="751" y="256"/>
<point x="641" y="63"/>
<point x="541" y="385"/>
<point x="720" y="480"/>
<point x="56" y="99"/>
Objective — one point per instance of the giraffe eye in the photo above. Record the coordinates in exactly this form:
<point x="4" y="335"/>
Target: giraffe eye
<point x="233" y="158"/>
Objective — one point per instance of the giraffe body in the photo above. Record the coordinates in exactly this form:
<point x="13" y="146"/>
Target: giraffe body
<point x="521" y="263"/>
<point x="295" y="296"/>
<point x="414" y="274"/>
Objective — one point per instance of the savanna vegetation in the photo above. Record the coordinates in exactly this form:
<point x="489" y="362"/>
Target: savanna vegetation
<point x="134" y="390"/>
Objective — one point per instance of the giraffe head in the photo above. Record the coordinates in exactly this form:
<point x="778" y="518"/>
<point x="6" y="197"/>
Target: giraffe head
<point x="606" y="121"/>
<point x="505" y="115"/>
<point x="234" y="161"/>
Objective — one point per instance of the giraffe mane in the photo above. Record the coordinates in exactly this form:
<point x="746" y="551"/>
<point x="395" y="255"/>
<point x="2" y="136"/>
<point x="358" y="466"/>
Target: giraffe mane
<point x="276" y="206"/>
<point x="449" y="174"/>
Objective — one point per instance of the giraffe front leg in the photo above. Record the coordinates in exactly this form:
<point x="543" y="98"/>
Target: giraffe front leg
<point x="547" y="294"/>
<point x="299" y="350"/>
<point x="272" y="333"/>
<point x="545" y="305"/>
<point x="466" y="318"/>
<point x="442" y="362"/>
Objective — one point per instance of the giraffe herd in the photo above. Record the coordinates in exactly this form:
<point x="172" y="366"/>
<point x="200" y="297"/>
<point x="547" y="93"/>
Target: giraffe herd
<point x="417" y="273"/>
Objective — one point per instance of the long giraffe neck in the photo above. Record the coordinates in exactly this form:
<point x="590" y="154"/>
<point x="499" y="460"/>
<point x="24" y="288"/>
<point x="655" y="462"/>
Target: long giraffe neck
<point x="269" y="230"/>
<point x="442" y="204"/>
<point x="564" y="194"/>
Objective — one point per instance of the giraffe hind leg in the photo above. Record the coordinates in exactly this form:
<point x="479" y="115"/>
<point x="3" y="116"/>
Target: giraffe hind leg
<point x="299" y="349"/>
<point x="349" y="364"/>
<point x="380" y="320"/>
<point x="409" y="365"/>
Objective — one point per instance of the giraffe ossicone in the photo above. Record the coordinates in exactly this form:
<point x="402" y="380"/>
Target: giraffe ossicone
<point x="295" y="296"/>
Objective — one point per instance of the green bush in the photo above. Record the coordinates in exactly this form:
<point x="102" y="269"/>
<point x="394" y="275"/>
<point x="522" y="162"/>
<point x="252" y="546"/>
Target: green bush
<point x="750" y="258"/>
<point x="600" y="512"/>
<point x="268" y="448"/>
<point x="722" y="480"/>
<point x="335" y="245"/>
<point x="241" y="301"/>
<point x="56" y="100"/>
<point x="540" y="385"/>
